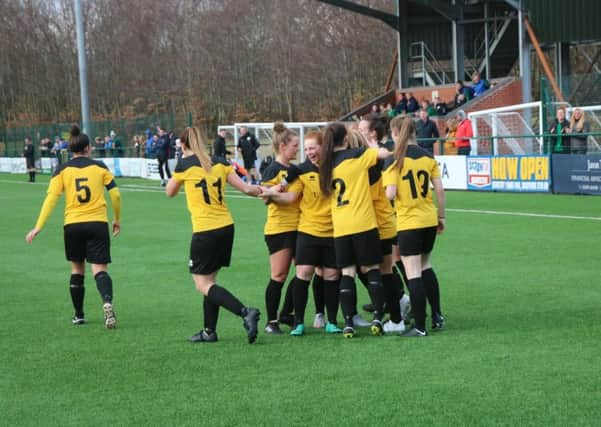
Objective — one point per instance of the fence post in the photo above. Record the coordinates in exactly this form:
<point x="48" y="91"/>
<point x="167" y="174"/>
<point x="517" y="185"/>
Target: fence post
<point x="189" y="119"/>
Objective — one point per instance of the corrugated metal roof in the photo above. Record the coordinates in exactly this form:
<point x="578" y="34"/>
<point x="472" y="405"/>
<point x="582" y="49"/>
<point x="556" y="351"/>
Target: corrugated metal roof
<point x="565" y="20"/>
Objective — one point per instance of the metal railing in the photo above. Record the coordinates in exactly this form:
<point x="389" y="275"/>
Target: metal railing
<point x="432" y="72"/>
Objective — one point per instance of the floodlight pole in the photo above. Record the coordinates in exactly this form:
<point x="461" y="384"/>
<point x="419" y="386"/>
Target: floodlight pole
<point x="81" y="60"/>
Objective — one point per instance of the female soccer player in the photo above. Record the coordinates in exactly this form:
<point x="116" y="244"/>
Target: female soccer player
<point x="343" y="176"/>
<point x="280" y="228"/>
<point x="418" y="221"/>
<point x="213" y="230"/>
<point x="314" y="242"/>
<point x="83" y="181"/>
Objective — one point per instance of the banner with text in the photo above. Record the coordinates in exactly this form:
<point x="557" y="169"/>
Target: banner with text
<point x="509" y="173"/>
<point x="576" y="174"/>
<point x="453" y="172"/>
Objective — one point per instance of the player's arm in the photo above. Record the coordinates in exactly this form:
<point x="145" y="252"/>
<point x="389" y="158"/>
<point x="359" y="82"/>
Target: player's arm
<point x="234" y="180"/>
<point x="391" y="191"/>
<point x="279" y="197"/>
<point x="173" y="187"/>
<point x="115" y="196"/>
<point x="55" y="189"/>
<point x="441" y="202"/>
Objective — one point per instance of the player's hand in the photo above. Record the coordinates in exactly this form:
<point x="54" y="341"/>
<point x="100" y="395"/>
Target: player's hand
<point x="254" y="190"/>
<point x="116" y="229"/>
<point x="31" y="235"/>
<point x="441" y="226"/>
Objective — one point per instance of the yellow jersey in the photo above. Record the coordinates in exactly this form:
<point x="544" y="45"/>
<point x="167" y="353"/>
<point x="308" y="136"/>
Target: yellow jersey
<point x="413" y="202"/>
<point x="83" y="181"/>
<point x="280" y="218"/>
<point x="315" y="210"/>
<point x="382" y="206"/>
<point x="205" y="192"/>
<point x="352" y="207"/>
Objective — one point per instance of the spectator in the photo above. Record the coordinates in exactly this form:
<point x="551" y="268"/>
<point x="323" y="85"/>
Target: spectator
<point x="117" y="145"/>
<point x="137" y="142"/>
<point x="578" y="125"/>
<point x="412" y="105"/>
<point x="99" y="146"/>
<point x="172" y="138"/>
<point x="45" y="147"/>
<point x="219" y="148"/>
<point x="478" y="84"/>
<point x="178" y="149"/>
<point x="463" y="134"/>
<point x="375" y="109"/>
<point x="426" y="129"/>
<point x="151" y="142"/>
<point x="427" y="105"/>
<point x="248" y="146"/>
<point x="441" y="107"/>
<point x="162" y="150"/>
<point x="560" y="127"/>
<point x="462" y="94"/>
<point x="449" y="147"/>
<point x="108" y="146"/>
<point x="265" y="163"/>
<point x="401" y="106"/>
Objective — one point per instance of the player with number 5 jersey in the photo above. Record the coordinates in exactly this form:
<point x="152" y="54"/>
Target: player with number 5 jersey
<point x="419" y="219"/>
<point x="86" y="233"/>
<point x="204" y="182"/>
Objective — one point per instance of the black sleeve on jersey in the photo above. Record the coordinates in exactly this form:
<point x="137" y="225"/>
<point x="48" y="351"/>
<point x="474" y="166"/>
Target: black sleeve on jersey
<point x="375" y="172"/>
<point x="351" y="153"/>
<point x="111" y="185"/>
<point x="272" y="171"/>
<point x="293" y="173"/>
<point x="186" y="163"/>
<point x="388" y="161"/>
<point x="216" y="160"/>
<point x="100" y="163"/>
<point x="416" y="152"/>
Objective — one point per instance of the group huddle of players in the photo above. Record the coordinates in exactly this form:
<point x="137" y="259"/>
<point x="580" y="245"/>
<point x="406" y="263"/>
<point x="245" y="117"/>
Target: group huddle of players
<point x="356" y="206"/>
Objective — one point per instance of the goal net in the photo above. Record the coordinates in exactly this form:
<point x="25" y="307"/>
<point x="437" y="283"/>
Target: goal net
<point x="515" y="129"/>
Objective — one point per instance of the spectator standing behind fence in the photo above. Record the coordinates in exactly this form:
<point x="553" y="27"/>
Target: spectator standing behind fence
<point x="578" y="127"/>
<point x="151" y="141"/>
<point x="560" y="143"/>
<point x="219" y="149"/>
<point x="463" y="135"/>
<point x="29" y="154"/>
<point x="479" y="85"/>
<point x="248" y="146"/>
<point x="426" y="129"/>
<point x="449" y="147"/>
<point x="117" y="145"/>
<point x="108" y="146"/>
<point x="99" y="146"/>
<point x="162" y="150"/>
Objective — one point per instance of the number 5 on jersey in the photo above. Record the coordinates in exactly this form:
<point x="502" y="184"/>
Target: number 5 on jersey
<point x="80" y="186"/>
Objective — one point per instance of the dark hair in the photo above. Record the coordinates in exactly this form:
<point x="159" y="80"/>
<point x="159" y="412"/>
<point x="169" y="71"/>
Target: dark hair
<point x="333" y="136"/>
<point x="79" y="141"/>
<point x="378" y="123"/>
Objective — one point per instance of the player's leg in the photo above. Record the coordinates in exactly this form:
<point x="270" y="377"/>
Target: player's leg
<point x="161" y="173"/>
<point x="391" y="290"/>
<point x="401" y="280"/>
<point x="75" y="252"/>
<point x="318" y="298"/>
<point x="431" y="281"/>
<point x="280" y="259"/>
<point x="331" y="277"/>
<point x="98" y="254"/>
<point x="300" y="296"/>
<point x="368" y="254"/>
<point x="77" y="291"/>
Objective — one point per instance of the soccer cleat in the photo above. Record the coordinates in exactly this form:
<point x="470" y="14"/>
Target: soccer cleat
<point x="204" y="336"/>
<point x="394" y="328"/>
<point x="369" y="308"/>
<point x="287" y="319"/>
<point x="298" y="331"/>
<point x="273" y="328"/>
<point x="437" y="321"/>
<point x="318" y="322"/>
<point x="414" y="332"/>
<point x="376" y="328"/>
<point x="348" y="332"/>
<point x="360" y="322"/>
<point x="332" y="328"/>
<point x="405" y="307"/>
<point x="78" y="320"/>
<point x="110" y="322"/>
<point x="250" y="323"/>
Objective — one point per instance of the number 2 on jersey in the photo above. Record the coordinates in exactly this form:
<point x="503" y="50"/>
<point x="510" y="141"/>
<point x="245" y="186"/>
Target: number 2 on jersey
<point x="424" y="181"/>
<point x="205" y="190"/>
<point x="342" y="188"/>
<point x="79" y="186"/>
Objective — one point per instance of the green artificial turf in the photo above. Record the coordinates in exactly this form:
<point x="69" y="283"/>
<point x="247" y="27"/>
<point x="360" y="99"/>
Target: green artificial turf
<point x="521" y="296"/>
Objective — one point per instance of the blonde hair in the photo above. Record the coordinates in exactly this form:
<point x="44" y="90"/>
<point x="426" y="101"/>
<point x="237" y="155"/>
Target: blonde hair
<point x="194" y="140"/>
<point x="579" y="123"/>
<point x="407" y="135"/>
<point x="355" y="139"/>
<point x="281" y="135"/>
<point x="452" y="125"/>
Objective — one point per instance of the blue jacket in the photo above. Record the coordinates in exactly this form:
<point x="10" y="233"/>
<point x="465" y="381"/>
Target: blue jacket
<point x="150" y="150"/>
<point x="480" y="87"/>
<point x="162" y="146"/>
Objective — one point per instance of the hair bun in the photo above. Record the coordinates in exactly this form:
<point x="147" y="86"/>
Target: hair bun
<point x="75" y="131"/>
<point x="279" y="127"/>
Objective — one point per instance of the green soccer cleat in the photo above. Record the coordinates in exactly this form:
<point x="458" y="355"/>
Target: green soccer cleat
<point x="298" y="331"/>
<point x="331" y="328"/>
<point x="376" y="328"/>
<point x="348" y="332"/>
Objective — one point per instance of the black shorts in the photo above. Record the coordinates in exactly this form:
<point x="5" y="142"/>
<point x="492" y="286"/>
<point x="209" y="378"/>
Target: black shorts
<point x="211" y="250"/>
<point x="30" y="161"/>
<point x="88" y="241"/>
<point x="249" y="163"/>
<point x="416" y="242"/>
<point x="277" y="242"/>
<point x="316" y="251"/>
<point x="386" y="245"/>
<point x="361" y="249"/>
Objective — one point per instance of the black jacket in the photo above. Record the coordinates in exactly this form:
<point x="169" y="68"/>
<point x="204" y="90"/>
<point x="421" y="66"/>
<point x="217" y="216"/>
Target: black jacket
<point x="219" y="147"/>
<point x="29" y="151"/>
<point x="162" y="146"/>
<point x="426" y="129"/>
<point x="249" y="145"/>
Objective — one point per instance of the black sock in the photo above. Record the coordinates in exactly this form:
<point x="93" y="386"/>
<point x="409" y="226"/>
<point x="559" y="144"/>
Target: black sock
<point x="330" y="288"/>
<point x="392" y="292"/>
<point x="348" y="299"/>
<point x="222" y="297"/>
<point x="432" y="290"/>
<point x="399" y="282"/>
<point x="33" y="176"/>
<point x="77" y="293"/>
<point x="30" y="176"/>
<point x="301" y="294"/>
<point x="363" y="278"/>
<point x="318" y="293"/>
<point x="210" y="313"/>
<point x="104" y="284"/>
<point x="418" y="302"/>
<point x="288" y="305"/>
<point x="273" y="293"/>
<point x="376" y="292"/>
<point x="401" y="268"/>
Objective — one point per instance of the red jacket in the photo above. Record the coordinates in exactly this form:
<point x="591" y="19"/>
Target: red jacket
<point x="464" y="133"/>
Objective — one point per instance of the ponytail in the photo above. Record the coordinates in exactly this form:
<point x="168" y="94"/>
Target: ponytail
<point x="79" y="141"/>
<point x="405" y="127"/>
<point x="193" y="139"/>
<point x="333" y="136"/>
<point x="356" y="139"/>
